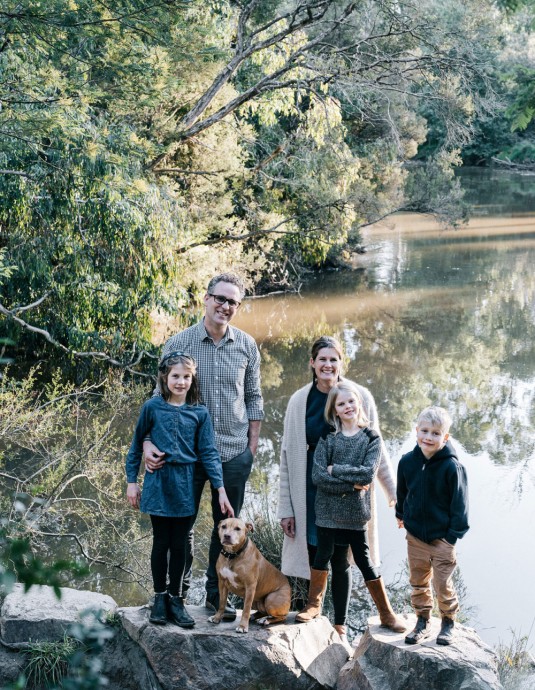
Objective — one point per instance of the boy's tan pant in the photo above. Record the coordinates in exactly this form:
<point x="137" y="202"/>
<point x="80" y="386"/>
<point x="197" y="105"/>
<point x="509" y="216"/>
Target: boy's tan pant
<point x="436" y="560"/>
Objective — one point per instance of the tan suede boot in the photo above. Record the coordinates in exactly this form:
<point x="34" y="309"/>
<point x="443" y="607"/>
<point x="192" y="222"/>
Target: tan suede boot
<point x="316" y="590"/>
<point x="388" y="618"/>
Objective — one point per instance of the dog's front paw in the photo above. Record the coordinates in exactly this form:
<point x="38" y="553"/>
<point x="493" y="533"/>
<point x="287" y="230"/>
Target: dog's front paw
<point x="215" y="619"/>
<point x="242" y="629"/>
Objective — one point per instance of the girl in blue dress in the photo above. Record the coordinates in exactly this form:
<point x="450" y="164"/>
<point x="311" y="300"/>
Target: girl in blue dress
<point x="181" y="427"/>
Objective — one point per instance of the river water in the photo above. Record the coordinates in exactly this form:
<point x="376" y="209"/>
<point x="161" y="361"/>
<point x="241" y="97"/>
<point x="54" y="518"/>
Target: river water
<point x="434" y="316"/>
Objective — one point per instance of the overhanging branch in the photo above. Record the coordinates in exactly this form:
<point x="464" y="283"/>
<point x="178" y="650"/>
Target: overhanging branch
<point x="100" y="356"/>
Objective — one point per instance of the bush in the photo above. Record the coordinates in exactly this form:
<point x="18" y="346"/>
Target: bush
<point x="48" y="662"/>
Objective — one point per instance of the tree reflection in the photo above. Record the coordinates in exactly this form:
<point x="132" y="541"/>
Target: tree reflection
<point x="445" y="322"/>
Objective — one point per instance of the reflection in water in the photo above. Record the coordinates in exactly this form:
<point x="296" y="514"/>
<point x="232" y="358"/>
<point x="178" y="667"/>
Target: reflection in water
<point x="444" y="317"/>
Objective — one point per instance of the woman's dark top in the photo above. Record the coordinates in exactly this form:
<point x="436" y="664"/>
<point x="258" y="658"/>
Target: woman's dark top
<point x="316" y="428"/>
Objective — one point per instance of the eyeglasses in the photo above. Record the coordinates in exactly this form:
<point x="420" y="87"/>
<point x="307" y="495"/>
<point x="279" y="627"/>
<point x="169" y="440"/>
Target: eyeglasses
<point x="172" y="355"/>
<point x="221" y="299"/>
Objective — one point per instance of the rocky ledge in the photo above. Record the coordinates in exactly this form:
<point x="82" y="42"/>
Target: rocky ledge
<point x="147" y="657"/>
<point x="210" y="656"/>
<point x="382" y="661"/>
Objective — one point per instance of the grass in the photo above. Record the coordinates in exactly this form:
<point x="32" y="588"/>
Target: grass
<point x="515" y="663"/>
<point x="113" y="619"/>
<point x="48" y="662"/>
<point x="268" y="537"/>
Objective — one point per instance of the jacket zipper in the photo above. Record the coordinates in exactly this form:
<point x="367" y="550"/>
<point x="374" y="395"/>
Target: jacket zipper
<point x="423" y="501"/>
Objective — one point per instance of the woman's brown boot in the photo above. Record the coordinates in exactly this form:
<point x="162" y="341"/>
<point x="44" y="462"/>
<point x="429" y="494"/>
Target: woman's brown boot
<point x="316" y="590"/>
<point x="388" y="618"/>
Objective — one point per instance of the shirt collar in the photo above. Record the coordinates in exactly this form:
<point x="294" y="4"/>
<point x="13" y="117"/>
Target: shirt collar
<point x="204" y="335"/>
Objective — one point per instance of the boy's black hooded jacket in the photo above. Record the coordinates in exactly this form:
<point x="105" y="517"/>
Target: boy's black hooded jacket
<point x="432" y="495"/>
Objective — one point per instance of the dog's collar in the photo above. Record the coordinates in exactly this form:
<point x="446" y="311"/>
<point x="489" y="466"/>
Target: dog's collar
<point x="234" y="554"/>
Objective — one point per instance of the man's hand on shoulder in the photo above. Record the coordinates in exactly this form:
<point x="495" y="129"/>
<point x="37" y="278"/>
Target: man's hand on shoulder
<point x="153" y="457"/>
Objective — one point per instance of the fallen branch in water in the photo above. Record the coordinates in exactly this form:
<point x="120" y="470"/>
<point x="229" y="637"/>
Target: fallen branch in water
<point x="511" y="165"/>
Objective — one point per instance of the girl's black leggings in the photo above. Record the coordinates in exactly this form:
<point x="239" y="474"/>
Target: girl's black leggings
<point x="341" y="580"/>
<point x="169" y="549"/>
<point x="328" y="550"/>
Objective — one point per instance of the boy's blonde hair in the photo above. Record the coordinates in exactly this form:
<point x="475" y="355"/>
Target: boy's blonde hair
<point x="330" y="412"/>
<point x="436" y="416"/>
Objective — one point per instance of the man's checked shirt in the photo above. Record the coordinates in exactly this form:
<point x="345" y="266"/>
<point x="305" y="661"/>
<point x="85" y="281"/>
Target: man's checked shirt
<point x="229" y="381"/>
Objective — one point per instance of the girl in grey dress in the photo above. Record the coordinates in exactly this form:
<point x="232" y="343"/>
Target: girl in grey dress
<point x="345" y="464"/>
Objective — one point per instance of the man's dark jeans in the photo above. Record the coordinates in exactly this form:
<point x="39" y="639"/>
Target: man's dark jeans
<point x="235" y="475"/>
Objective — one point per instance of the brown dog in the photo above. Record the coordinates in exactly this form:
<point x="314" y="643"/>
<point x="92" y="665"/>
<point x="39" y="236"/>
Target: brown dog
<point x="242" y="570"/>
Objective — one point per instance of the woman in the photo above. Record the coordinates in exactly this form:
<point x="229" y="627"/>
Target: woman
<point x="304" y="425"/>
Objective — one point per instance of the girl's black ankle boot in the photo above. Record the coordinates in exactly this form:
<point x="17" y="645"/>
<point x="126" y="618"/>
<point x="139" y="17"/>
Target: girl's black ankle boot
<point x="158" y="612"/>
<point x="177" y="614"/>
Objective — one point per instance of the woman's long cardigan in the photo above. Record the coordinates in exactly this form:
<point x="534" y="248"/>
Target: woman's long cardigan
<point x="292" y="487"/>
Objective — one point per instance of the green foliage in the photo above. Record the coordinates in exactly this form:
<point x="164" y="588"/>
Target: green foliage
<point x="522" y="110"/>
<point x="19" y="564"/>
<point x="508" y="129"/>
<point x="63" y="453"/>
<point x="48" y="662"/>
<point x="73" y="663"/>
<point x="432" y="187"/>
<point x="514" y="5"/>
<point x="6" y="271"/>
<point x="85" y="664"/>
<point x="520" y="152"/>
<point x="135" y="163"/>
<point x="84" y="224"/>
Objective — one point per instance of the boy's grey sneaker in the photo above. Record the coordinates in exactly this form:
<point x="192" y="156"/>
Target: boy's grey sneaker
<point x="445" y="636"/>
<point x="212" y="604"/>
<point x="421" y="631"/>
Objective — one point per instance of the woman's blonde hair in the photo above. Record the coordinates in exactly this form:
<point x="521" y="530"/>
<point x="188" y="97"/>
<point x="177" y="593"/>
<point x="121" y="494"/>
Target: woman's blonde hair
<point x="344" y="386"/>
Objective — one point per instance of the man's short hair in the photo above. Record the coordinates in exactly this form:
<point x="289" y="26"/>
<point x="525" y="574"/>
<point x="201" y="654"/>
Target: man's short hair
<point x="231" y="278"/>
<point x="436" y="416"/>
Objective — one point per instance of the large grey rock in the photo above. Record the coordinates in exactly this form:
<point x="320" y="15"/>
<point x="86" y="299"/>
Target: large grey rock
<point x="39" y="615"/>
<point x="11" y="666"/>
<point x="124" y="665"/>
<point x="382" y="661"/>
<point x="307" y="656"/>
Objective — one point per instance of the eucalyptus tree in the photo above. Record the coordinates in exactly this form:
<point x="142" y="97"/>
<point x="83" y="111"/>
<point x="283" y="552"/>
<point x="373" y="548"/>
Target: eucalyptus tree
<point x="146" y="144"/>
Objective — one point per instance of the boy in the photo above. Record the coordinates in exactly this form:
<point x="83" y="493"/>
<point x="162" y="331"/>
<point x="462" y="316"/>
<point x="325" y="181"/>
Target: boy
<point x="432" y="505"/>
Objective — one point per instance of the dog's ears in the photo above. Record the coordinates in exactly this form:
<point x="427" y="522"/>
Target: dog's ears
<point x="249" y="526"/>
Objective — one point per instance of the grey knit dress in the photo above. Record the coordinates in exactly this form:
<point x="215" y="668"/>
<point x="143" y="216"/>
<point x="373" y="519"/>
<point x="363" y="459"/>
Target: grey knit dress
<point x="355" y="460"/>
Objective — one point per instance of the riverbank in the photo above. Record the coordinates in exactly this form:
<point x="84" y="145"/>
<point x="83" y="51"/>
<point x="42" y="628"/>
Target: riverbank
<point x="141" y="656"/>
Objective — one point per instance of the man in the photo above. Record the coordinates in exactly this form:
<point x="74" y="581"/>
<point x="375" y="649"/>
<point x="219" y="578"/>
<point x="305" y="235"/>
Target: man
<point x="228" y="370"/>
